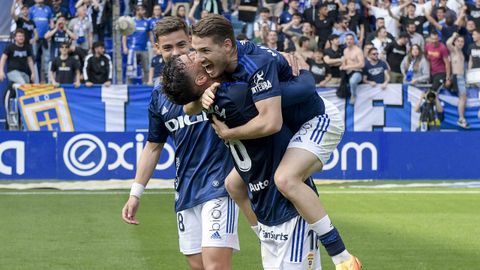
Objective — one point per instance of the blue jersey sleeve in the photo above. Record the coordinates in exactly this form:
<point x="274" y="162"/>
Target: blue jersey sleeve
<point x="264" y="83"/>
<point x="157" y="132"/>
<point x="298" y="90"/>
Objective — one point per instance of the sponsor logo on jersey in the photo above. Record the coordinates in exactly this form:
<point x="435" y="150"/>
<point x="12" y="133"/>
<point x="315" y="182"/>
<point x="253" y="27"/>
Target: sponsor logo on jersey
<point x="260" y="84"/>
<point x="164" y="110"/>
<point x="215" y="218"/>
<point x="258" y="186"/>
<point x="182" y="121"/>
<point x="271" y="235"/>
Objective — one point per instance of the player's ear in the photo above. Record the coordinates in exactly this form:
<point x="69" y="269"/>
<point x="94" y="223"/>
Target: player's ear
<point x="227" y="43"/>
<point x="201" y="79"/>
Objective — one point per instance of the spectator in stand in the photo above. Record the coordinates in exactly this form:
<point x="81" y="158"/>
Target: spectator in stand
<point x="323" y="25"/>
<point x="450" y="26"/>
<point x="411" y="17"/>
<point x="414" y="66"/>
<point x="413" y="36"/>
<point x="341" y="29"/>
<point x="366" y="49"/>
<point x="357" y="21"/>
<point x="264" y="19"/>
<point x="334" y="57"/>
<point x="177" y="3"/>
<point x="156" y="68"/>
<point x="334" y="8"/>
<point x="182" y="14"/>
<point x="294" y="28"/>
<point x="376" y="71"/>
<point x="395" y="52"/>
<point x="42" y="16"/>
<point x="320" y="70"/>
<point x="473" y="12"/>
<point x="455" y="46"/>
<point x="58" y="10"/>
<point x="287" y="15"/>
<point x="24" y="22"/>
<point x="437" y="55"/>
<point x="309" y="33"/>
<point x="65" y="69"/>
<point x="18" y="58"/>
<point x="474" y="51"/>
<point x="59" y="35"/>
<point x="310" y="14"/>
<point x="273" y="43"/>
<point x="382" y="41"/>
<point x="276" y="6"/>
<point x="467" y="33"/>
<point x="303" y="48"/>
<point x="135" y="46"/>
<point x="148" y="4"/>
<point x="353" y="62"/>
<point x="157" y="16"/>
<point x="213" y="6"/>
<point x="447" y="12"/>
<point x="247" y="11"/>
<point x="387" y="12"/>
<point x="82" y="28"/>
<point x="98" y="67"/>
<point x="379" y="23"/>
<point x="166" y="6"/>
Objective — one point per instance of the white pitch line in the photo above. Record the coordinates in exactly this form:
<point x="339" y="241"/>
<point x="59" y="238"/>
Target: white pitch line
<point x="340" y="192"/>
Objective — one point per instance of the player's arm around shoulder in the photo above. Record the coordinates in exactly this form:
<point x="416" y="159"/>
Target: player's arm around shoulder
<point x="193" y="108"/>
<point x="146" y="165"/>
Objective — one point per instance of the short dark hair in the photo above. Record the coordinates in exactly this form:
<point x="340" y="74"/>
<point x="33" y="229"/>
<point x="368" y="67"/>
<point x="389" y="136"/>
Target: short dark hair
<point x="372" y="49"/>
<point x="177" y="83"/>
<point x="19" y="30"/>
<point x="264" y="10"/>
<point x="297" y="14"/>
<point x="216" y="27"/>
<point x="442" y="9"/>
<point x="302" y="40"/>
<point x="168" y="25"/>
<point x="433" y="33"/>
<point x="412" y="5"/>
<point x="97" y="44"/>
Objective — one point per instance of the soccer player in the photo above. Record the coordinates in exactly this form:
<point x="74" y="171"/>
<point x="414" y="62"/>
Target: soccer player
<point x="206" y="216"/>
<point x="262" y="69"/>
<point x="286" y="240"/>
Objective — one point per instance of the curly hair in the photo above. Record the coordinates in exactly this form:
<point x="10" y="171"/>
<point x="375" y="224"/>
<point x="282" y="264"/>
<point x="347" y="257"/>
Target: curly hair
<point x="177" y="84"/>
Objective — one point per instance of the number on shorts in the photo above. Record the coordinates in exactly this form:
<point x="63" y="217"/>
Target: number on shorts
<point x="313" y="240"/>
<point x="240" y="155"/>
<point x="181" y="226"/>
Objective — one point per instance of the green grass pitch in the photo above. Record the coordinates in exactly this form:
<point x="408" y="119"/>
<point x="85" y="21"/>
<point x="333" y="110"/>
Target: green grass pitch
<point x="421" y="228"/>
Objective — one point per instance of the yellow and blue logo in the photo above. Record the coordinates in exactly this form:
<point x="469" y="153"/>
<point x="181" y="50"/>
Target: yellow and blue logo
<point x="45" y="108"/>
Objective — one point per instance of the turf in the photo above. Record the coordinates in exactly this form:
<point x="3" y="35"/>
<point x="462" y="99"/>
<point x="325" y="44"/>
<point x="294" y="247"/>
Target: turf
<point x="404" y="230"/>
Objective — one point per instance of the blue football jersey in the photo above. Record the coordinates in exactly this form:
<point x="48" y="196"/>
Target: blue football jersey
<point x="138" y="40"/>
<point x="257" y="159"/>
<point x="202" y="159"/>
<point x="41" y="15"/>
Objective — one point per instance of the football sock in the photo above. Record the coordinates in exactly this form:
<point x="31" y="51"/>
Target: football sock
<point x="331" y="240"/>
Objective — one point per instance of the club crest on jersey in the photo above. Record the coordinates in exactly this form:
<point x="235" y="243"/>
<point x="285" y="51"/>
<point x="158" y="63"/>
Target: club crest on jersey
<point x="260" y="84"/>
<point x="258" y="186"/>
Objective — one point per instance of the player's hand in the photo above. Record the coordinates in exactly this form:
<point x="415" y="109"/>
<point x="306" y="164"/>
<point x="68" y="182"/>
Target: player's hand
<point x="130" y="209"/>
<point x="292" y="61"/>
<point x="208" y="96"/>
<point x="302" y="64"/>
<point x="220" y="128"/>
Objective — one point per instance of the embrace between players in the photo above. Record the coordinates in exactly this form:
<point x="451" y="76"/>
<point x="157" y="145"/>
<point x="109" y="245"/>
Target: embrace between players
<point x="278" y="132"/>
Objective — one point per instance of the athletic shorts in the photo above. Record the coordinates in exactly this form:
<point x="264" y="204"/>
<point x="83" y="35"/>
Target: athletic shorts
<point x="321" y="134"/>
<point x="289" y="246"/>
<point x="210" y="224"/>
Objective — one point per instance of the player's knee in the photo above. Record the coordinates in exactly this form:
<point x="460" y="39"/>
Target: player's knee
<point x="285" y="183"/>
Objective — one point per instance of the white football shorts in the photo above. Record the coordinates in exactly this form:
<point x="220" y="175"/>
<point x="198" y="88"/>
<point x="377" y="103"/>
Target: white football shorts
<point x="321" y="134"/>
<point x="289" y="246"/>
<point x="210" y="224"/>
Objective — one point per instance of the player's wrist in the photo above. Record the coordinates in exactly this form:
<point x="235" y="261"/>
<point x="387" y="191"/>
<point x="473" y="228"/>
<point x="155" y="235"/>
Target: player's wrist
<point x="137" y="190"/>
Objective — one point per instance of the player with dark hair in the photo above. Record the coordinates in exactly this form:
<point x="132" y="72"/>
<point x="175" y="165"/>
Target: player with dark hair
<point x="262" y="69"/>
<point x="206" y="216"/>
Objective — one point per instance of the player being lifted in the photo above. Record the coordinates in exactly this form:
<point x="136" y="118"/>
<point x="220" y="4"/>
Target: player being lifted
<point x="310" y="147"/>
<point x="206" y="216"/>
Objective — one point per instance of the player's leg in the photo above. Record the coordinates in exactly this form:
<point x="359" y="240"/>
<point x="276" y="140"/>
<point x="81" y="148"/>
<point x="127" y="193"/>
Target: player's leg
<point x="309" y="149"/>
<point x="219" y="233"/>
<point x="189" y="227"/>
<point x="237" y="189"/>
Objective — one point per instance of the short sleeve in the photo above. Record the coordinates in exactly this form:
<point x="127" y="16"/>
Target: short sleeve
<point x="157" y="132"/>
<point x="53" y="66"/>
<point x="264" y="83"/>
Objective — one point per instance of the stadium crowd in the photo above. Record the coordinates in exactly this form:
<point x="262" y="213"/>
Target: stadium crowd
<point x="345" y="42"/>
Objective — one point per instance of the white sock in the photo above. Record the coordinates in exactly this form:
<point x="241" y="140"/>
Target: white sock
<point x="322" y="226"/>
<point x="342" y="257"/>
